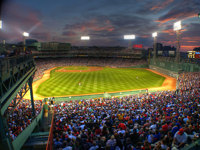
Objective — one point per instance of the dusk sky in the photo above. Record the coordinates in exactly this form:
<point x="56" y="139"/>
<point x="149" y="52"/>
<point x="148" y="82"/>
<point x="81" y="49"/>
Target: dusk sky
<point x="105" y="21"/>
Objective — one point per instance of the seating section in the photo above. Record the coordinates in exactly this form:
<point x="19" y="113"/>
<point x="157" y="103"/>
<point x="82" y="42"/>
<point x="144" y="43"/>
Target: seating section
<point x="20" y="117"/>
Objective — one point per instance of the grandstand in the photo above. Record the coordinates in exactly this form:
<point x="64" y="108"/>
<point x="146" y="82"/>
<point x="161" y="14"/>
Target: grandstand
<point x="55" y="95"/>
<point x="140" y="119"/>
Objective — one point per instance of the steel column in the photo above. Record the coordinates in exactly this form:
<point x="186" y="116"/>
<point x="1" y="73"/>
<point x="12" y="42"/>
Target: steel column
<point x="31" y="94"/>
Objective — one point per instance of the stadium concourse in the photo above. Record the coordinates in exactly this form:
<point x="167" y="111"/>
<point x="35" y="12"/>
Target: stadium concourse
<point x="160" y="120"/>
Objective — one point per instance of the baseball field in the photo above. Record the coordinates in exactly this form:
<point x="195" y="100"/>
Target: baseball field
<point x="77" y="80"/>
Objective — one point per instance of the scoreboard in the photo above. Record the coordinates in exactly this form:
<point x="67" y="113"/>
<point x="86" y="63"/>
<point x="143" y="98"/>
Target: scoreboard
<point x="197" y="55"/>
<point x="138" y="46"/>
<point x="194" y="54"/>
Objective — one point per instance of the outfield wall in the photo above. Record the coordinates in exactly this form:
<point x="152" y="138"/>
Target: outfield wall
<point x="175" y="67"/>
<point x="105" y="95"/>
<point x="164" y="71"/>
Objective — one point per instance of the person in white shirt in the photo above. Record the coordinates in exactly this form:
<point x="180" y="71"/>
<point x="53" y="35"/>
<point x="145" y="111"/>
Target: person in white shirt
<point x="180" y="138"/>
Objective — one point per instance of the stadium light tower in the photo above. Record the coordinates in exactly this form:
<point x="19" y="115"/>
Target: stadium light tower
<point x="25" y="34"/>
<point x="129" y="37"/>
<point x="86" y="38"/>
<point x="154" y="35"/>
<point x="177" y="28"/>
<point x="1" y="24"/>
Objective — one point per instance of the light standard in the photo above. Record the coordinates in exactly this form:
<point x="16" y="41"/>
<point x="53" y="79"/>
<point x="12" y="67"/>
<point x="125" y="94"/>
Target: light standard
<point x="129" y="37"/>
<point x="1" y="24"/>
<point x="25" y="34"/>
<point x="85" y="38"/>
<point x="154" y="35"/>
<point x="177" y="28"/>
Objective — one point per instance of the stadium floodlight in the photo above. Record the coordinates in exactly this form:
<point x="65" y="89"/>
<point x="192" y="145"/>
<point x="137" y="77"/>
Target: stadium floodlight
<point x="25" y="34"/>
<point x="85" y="38"/>
<point x="177" y="26"/>
<point x="1" y="24"/>
<point x="129" y="37"/>
<point x="155" y="34"/>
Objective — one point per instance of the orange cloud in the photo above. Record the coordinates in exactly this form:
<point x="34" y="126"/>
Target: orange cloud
<point x="169" y="31"/>
<point x="188" y="47"/>
<point x="161" y="5"/>
<point x="192" y="41"/>
<point x="95" y="25"/>
<point x="176" y="16"/>
<point x="196" y="38"/>
<point x="145" y="36"/>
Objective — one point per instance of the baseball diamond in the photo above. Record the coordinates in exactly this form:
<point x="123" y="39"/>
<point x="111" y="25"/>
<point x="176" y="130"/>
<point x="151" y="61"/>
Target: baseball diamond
<point x="88" y="80"/>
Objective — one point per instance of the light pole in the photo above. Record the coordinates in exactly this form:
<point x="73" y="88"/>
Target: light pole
<point x="85" y="38"/>
<point x="177" y="28"/>
<point x="1" y="24"/>
<point x="25" y="34"/>
<point x="129" y="37"/>
<point x="154" y="35"/>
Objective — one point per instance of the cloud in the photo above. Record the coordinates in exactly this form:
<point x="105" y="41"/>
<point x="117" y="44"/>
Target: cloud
<point x="188" y="47"/>
<point x="169" y="31"/>
<point x="69" y="33"/>
<point x="183" y="10"/>
<point x="106" y="21"/>
<point x="111" y="29"/>
<point x="161" y="5"/>
<point x="41" y="36"/>
<point x="17" y="19"/>
<point x="91" y="25"/>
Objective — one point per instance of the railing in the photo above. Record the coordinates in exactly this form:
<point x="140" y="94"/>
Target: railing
<point x="50" y="138"/>
<point x="10" y="62"/>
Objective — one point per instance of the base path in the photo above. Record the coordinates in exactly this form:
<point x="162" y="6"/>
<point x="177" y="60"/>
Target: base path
<point x="168" y="84"/>
<point x="36" y="84"/>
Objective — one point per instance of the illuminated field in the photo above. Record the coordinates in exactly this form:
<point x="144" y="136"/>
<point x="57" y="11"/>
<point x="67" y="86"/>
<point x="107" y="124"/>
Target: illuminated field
<point x="74" y="81"/>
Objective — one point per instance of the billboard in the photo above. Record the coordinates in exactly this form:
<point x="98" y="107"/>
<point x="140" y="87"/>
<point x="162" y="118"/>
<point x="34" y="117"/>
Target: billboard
<point x="171" y="53"/>
<point x="160" y="53"/>
<point x="138" y="46"/>
<point x="197" y="55"/>
<point x="194" y="54"/>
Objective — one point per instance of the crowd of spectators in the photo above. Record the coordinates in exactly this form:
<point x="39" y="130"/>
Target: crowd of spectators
<point x="161" y="120"/>
<point x="21" y="116"/>
<point x="44" y="64"/>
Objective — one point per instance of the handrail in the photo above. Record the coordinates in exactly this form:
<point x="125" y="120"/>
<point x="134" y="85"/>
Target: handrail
<point x="50" y="138"/>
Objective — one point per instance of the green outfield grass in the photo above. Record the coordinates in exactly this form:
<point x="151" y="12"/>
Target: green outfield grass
<point x="106" y="80"/>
